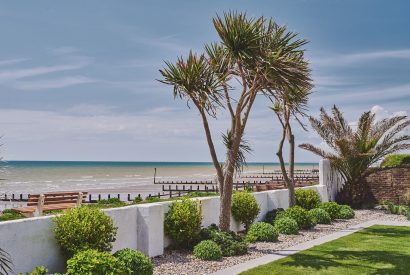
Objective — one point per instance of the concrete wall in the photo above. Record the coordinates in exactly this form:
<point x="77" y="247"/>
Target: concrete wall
<point x="31" y="242"/>
<point x="330" y="178"/>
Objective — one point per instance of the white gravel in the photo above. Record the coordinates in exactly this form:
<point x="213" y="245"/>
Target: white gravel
<point x="180" y="262"/>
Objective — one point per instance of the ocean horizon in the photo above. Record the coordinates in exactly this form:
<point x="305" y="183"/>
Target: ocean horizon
<point x="24" y="176"/>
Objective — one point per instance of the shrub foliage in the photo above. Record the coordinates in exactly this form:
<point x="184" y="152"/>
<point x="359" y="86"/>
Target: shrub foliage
<point x="272" y="215"/>
<point x="319" y="215"/>
<point x="332" y="208"/>
<point x="287" y="226"/>
<point x="395" y="160"/>
<point x="262" y="232"/>
<point x="93" y="262"/>
<point x="346" y="212"/>
<point x="244" y="209"/>
<point x="84" y="228"/>
<point x="231" y="244"/>
<point x="300" y="215"/>
<point x="307" y="198"/>
<point x="208" y="250"/>
<point x="183" y="223"/>
<point x="136" y="262"/>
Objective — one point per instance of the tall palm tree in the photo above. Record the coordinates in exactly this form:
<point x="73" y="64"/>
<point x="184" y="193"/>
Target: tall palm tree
<point x="290" y="104"/>
<point x="354" y="150"/>
<point x="5" y="263"/>
<point x="258" y="54"/>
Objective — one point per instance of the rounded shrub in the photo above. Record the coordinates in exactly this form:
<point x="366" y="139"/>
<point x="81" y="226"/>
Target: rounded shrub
<point x="287" y="226"/>
<point x="136" y="262"/>
<point x="84" y="228"/>
<point x="332" y="208"/>
<point x="183" y="222"/>
<point x="262" y="232"/>
<point x="345" y="212"/>
<point x="272" y="215"/>
<point x="319" y="215"/>
<point x="244" y="209"/>
<point x="230" y="243"/>
<point x="300" y="215"/>
<point x="96" y="263"/>
<point x="208" y="250"/>
<point x="307" y="198"/>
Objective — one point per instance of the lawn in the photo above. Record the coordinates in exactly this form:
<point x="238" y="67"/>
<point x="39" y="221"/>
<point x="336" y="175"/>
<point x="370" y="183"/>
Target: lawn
<point x="374" y="250"/>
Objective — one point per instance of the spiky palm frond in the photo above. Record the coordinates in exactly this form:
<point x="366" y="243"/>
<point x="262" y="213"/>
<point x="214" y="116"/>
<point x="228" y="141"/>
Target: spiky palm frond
<point x="5" y="263"/>
<point x="194" y="80"/>
<point x="354" y="151"/>
<point x="244" y="149"/>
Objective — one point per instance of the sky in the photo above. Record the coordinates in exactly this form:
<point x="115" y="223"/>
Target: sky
<point x="78" y="79"/>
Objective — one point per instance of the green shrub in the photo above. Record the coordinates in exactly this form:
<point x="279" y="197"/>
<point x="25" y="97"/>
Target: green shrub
<point x="287" y="226"/>
<point x="208" y="250"/>
<point x="111" y="202"/>
<point x="84" y="228"/>
<point x="332" y="208"/>
<point x="198" y="194"/>
<point x="230" y="243"/>
<point x="408" y="215"/>
<point x="183" y="222"/>
<point x="93" y="262"/>
<point x="307" y="198"/>
<point x="152" y="199"/>
<point x="346" y="212"/>
<point x="272" y="215"/>
<point x="244" y="209"/>
<point x="262" y="232"/>
<point x="395" y="160"/>
<point x="8" y="215"/>
<point x="135" y="261"/>
<point x="319" y="215"/>
<point x="39" y="270"/>
<point x="300" y="215"/>
<point x="137" y="200"/>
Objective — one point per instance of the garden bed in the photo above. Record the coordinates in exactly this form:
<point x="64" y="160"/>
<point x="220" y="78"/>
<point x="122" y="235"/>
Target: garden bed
<point x="179" y="262"/>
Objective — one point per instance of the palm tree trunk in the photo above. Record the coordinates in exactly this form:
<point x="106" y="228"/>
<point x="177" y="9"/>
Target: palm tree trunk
<point x="291" y="187"/>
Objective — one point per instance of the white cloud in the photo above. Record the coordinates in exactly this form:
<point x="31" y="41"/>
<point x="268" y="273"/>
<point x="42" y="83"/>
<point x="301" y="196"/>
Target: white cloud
<point x="382" y="113"/>
<point x="52" y="83"/>
<point x="353" y="58"/>
<point x="12" y="61"/>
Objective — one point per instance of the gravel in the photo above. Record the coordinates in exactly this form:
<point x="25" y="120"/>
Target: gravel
<point x="183" y="262"/>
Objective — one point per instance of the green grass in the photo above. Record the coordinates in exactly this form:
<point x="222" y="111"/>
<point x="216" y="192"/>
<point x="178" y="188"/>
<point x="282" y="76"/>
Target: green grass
<point x="374" y="250"/>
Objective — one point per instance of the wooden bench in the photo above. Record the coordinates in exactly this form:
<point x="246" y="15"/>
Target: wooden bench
<point x="37" y="204"/>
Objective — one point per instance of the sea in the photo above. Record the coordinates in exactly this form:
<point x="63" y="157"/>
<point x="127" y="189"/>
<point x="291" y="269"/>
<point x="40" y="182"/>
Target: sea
<point x="106" y="176"/>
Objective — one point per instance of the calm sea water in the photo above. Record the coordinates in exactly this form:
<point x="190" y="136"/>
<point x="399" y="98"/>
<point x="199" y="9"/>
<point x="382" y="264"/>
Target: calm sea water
<point x="42" y="176"/>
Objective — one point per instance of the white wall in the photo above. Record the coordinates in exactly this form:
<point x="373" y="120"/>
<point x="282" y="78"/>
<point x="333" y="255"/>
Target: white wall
<point x="330" y="178"/>
<point x="31" y="242"/>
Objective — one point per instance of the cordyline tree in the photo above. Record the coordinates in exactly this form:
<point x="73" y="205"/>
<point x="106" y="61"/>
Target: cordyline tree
<point x="354" y="150"/>
<point x="259" y="57"/>
<point x="290" y="104"/>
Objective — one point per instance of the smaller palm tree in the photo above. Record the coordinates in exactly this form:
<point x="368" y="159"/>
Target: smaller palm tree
<point x="354" y="150"/>
<point x="5" y="263"/>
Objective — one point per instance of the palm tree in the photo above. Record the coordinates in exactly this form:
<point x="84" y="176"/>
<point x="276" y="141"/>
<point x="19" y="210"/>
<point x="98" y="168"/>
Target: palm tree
<point x="353" y="151"/>
<point x="5" y="263"/>
<point x="289" y="104"/>
<point x="258" y="54"/>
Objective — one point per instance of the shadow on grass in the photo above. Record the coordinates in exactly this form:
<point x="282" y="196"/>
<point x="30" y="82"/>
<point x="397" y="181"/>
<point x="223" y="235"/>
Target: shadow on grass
<point x="373" y="260"/>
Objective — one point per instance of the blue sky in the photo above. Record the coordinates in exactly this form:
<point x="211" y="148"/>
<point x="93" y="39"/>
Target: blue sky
<point x="78" y="78"/>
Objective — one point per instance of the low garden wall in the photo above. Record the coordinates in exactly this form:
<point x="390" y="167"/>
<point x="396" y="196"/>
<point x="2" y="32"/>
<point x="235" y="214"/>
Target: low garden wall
<point x="388" y="184"/>
<point x="30" y="242"/>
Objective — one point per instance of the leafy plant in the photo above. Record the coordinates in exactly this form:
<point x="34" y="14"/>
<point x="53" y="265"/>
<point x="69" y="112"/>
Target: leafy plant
<point x="152" y="199"/>
<point x="262" y="58"/>
<point x="6" y="265"/>
<point x="197" y="194"/>
<point x="353" y="151"/>
<point x="208" y="250"/>
<point x="332" y="208"/>
<point x="307" y="198"/>
<point x="137" y="200"/>
<point x="39" y="270"/>
<point x="287" y="226"/>
<point x="300" y="215"/>
<point x="244" y="209"/>
<point x="230" y="243"/>
<point x="93" y="262"/>
<point x="320" y="216"/>
<point x="262" y="232"/>
<point x="272" y="215"/>
<point x="183" y="222"/>
<point x="346" y="212"/>
<point x="395" y="160"/>
<point x="135" y="261"/>
<point x="9" y="214"/>
<point x="84" y="228"/>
